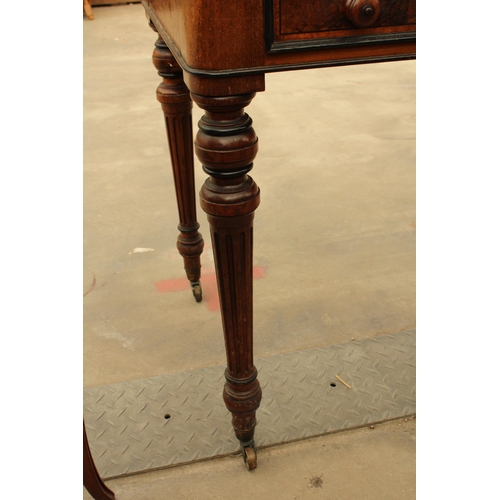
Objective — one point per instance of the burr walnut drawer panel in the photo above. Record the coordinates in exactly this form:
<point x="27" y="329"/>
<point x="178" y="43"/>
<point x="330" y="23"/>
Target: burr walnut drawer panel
<point x="295" y="24"/>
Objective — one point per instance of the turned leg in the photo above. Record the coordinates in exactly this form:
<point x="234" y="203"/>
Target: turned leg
<point x="226" y="145"/>
<point x="88" y="9"/>
<point x="176" y="104"/>
<point x="91" y="479"/>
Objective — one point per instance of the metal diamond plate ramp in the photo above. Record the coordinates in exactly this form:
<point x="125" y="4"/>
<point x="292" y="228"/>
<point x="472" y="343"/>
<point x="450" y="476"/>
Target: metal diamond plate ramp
<point x="168" y="420"/>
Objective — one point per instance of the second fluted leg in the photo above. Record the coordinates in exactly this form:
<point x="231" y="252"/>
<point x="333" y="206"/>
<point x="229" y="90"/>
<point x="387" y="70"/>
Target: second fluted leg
<point x="176" y="104"/>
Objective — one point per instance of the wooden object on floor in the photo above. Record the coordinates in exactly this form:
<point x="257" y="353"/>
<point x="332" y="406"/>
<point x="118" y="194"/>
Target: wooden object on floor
<point x="176" y="105"/>
<point x="226" y="145"/>
<point x="224" y="49"/>
<point x="91" y="479"/>
<point x="88" y="9"/>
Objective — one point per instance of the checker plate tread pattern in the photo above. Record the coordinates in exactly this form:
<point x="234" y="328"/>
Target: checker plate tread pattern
<point x="153" y="423"/>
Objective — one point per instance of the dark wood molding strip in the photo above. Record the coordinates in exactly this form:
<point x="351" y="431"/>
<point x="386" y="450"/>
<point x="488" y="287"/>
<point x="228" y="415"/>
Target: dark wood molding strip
<point x="325" y="43"/>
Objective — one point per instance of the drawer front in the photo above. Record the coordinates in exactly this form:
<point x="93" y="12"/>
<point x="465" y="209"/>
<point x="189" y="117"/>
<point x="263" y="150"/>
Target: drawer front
<point x="295" y="24"/>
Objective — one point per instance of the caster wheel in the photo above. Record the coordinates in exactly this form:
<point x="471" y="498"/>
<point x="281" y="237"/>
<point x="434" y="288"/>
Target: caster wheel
<point x="250" y="457"/>
<point x="196" y="288"/>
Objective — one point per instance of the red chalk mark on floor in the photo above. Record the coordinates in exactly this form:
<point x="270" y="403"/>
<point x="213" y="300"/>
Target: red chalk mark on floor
<point x="175" y="285"/>
<point x="208" y="284"/>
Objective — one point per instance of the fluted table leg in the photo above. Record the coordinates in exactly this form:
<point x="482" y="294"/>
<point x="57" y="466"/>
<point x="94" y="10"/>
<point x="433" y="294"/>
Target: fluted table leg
<point x="226" y="145"/>
<point x="176" y="104"/>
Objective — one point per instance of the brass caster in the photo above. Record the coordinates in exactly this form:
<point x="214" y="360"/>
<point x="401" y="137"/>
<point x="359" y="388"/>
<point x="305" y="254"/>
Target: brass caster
<point x="249" y="455"/>
<point x="196" y="288"/>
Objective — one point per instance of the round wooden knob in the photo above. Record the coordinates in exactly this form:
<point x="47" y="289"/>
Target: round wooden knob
<point x="362" y="13"/>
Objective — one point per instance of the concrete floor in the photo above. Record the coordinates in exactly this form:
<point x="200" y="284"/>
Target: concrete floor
<point x="334" y="244"/>
<point x="376" y="464"/>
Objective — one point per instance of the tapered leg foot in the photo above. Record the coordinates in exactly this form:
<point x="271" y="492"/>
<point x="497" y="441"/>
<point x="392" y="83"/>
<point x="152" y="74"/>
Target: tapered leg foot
<point x="226" y="145"/>
<point x="88" y="9"/>
<point x="176" y="104"/>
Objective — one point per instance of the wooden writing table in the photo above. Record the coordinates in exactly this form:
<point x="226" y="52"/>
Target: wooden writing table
<point x="216" y="53"/>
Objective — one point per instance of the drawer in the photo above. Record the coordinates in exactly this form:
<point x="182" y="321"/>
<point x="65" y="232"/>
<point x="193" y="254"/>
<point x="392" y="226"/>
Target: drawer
<point x="296" y="24"/>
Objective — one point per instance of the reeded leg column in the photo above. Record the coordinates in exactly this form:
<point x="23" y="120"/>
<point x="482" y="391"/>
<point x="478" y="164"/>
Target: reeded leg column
<point x="87" y="8"/>
<point x="176" y="104"/>
<point x="226" y="145"/>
